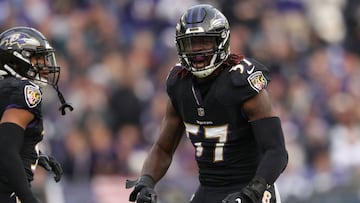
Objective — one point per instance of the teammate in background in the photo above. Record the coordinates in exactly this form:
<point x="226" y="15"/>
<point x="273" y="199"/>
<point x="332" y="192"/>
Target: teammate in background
<point x="27" y="63"/>
<point x="220" y="101"/>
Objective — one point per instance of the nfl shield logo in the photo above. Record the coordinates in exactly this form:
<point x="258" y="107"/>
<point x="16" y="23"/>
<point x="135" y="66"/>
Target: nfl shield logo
<point x="201" y="111"/>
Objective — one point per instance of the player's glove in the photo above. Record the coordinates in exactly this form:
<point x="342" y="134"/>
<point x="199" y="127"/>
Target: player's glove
<point x="49" y="163"/>
<point x="143" y="191"/>
<point x="252" y="193"/>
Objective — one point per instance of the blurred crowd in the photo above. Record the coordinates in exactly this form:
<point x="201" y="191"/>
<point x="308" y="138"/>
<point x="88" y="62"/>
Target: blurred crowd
<point x="115" y="56"/>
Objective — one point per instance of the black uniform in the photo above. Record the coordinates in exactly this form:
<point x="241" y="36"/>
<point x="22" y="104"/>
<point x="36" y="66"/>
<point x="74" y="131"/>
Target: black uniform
<point x="226" y="151"/>
<point x="22" y="94"/>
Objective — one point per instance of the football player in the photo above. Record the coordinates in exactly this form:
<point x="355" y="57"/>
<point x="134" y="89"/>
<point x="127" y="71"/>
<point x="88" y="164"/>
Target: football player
<point x="27" y="63"/>
<point x="220" y="101"/>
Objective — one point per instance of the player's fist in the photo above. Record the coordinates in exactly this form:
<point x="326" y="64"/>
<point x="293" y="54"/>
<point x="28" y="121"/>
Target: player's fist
<point x="143" y="194"/>
<point x="143" y="190"/>
<point x="49" y="163"/>
<point x="237" y="197"/>
<point x="251" y="193"/>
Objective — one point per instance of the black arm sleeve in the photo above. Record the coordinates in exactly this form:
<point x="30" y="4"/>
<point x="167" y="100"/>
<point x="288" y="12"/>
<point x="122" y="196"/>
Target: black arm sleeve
<point x="11" y="140"/>
<point x="269" y="135"/>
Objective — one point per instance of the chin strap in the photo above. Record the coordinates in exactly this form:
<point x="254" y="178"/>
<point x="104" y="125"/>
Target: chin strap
<point x="64" y="105"/>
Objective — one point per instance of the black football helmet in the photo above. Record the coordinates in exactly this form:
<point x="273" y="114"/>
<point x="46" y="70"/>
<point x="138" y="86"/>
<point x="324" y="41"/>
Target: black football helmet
<point x="18" y="46"/>
<point x="26" y="53"/>
<point x="208" y="24"/>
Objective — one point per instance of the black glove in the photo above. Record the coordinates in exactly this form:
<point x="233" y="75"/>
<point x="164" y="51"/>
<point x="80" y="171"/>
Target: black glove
<point x="237" y="197"/>
<point x="49" y="163"/>
<point x="143" y="191"/>
<point x="252" y="193"/>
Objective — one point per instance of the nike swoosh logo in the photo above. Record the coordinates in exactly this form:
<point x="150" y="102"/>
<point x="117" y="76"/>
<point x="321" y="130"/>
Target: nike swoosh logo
<point x="251" y="70"/>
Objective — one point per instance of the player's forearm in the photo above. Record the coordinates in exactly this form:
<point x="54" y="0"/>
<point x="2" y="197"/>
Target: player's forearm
<point x="157" y="163"/>
<point x="11" y="138"/>
<point x="269" y="135"/>
<point x="272" y="165"/>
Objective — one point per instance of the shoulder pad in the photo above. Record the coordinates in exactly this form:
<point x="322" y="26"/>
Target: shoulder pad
<point x="175" y="74"/>
<point x="250" y="72"/>
<point x="23" y="94"/>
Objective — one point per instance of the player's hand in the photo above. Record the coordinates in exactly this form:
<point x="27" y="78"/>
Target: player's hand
<point x="143" y="190"/>
<point x="49" y="163"/>
<point x="237" y="197"/>
<point x="251" y="193"/>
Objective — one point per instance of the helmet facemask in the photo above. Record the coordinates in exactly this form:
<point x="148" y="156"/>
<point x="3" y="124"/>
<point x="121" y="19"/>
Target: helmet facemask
<point x="44" y="68"/>
<point x="202" y="61"/>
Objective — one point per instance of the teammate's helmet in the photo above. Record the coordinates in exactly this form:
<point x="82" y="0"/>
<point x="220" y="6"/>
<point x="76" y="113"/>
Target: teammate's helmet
<point x="25" y="52"/>
<point x="202" y="22"/>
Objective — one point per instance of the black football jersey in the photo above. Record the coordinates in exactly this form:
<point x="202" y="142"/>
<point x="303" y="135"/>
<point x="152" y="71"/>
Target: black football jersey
<point x="225" y="148"/>
<point x="22" y="94"/>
